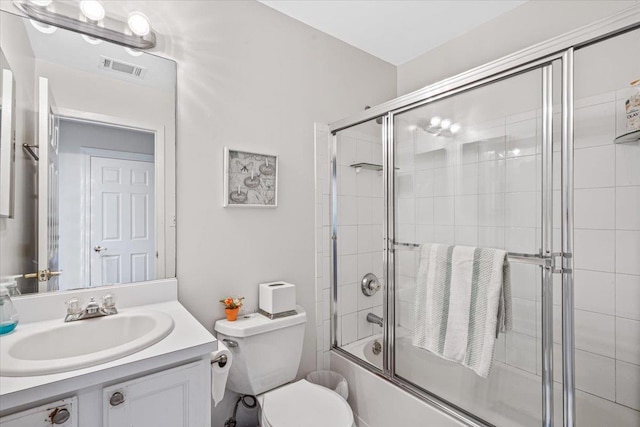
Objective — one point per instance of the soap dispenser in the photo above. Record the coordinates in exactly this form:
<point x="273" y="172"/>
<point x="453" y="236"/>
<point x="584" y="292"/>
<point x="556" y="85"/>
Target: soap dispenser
<point x="8" y="312"/>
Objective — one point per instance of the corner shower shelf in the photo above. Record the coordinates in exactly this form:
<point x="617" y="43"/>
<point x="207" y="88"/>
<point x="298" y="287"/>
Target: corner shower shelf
<point x="369" y="166"/>
<point x="628" y="137"/>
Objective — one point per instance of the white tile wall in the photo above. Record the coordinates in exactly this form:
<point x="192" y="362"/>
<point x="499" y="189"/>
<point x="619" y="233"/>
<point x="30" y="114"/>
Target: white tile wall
<point x="360" y="219"/>
<point x="628" y="296"/>
<point x="627" y="380"/>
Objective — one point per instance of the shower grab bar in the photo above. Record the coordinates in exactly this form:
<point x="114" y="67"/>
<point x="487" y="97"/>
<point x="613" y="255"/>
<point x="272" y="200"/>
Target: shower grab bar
<point x="513" y="256"/>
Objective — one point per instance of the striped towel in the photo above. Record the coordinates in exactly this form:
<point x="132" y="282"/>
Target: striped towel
<point x="463" y="300"/>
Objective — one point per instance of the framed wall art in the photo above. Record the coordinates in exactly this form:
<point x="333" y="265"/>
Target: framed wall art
<point x="250" y="179"/>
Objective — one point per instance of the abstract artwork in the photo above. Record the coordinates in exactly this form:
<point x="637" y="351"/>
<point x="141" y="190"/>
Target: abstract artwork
<point x="250" y="179"/>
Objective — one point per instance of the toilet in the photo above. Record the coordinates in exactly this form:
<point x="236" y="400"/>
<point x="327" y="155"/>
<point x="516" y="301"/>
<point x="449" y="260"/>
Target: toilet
<point x="266" y="356"/>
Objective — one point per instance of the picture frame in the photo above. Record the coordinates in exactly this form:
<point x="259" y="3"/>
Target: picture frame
<point x="250" y="179"/>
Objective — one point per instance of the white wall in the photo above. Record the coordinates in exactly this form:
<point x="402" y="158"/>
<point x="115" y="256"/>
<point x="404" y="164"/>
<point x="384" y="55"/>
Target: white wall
<point x="528" y="24"/>
<point x="17" y="234"/>
<point x="73" y="137"/>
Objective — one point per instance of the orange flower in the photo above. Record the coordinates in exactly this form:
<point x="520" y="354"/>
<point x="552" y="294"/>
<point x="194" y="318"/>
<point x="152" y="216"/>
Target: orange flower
<point x="232" y="302"/>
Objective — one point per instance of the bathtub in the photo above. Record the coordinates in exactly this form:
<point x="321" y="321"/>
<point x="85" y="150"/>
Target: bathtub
<point x="363" y="349"/>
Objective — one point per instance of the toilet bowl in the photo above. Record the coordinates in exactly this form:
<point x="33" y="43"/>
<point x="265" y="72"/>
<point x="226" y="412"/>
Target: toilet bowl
<point x="266" y="355"/>
<point x="304" y="404"/>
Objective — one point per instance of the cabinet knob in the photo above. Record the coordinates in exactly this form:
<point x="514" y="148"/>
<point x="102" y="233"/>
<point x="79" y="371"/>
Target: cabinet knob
<point x="59" y="416"/>
<point x="116" y="399"/>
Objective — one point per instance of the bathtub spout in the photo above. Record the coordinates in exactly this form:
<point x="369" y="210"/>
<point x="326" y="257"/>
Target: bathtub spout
<point x="372" y="318"/>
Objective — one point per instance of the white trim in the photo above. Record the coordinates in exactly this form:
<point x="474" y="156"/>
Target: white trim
<point x="117" y="154"/>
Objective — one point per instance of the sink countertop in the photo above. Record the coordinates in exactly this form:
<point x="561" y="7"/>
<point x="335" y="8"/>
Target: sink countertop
<point x="189" y="340"/>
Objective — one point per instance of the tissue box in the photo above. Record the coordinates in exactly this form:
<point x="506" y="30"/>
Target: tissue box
<point x="277" y="299"/>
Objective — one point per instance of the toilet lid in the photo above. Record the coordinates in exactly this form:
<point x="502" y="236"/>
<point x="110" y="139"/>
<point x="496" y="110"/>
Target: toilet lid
<point x="305" y="404"/>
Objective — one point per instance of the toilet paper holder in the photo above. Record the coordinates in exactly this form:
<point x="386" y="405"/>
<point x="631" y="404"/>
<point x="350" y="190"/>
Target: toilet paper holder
<point x="220" y="360"/>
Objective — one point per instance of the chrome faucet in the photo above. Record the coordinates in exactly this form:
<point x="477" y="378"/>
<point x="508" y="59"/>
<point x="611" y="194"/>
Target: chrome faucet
<point x="93" y="309"/>
<point x="372" y="318"/>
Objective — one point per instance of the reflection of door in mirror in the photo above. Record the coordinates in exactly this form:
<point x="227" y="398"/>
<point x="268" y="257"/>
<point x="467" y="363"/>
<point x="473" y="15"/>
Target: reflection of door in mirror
<point x="7" y="138"/>
<point x="48" y="171"/>
<point x="108" y="204"/>
<point x="122" y="211"/>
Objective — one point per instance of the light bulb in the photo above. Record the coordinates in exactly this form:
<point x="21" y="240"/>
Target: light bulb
<point x="455" y="128"/>
<point x="92" y="9"/>
<point x="445" y="124"/>
<point x="435" y="121"/>
<point x="139" y="24"/>
<point x="41" y="3"/>
<point x="133" y="52"/>
<point x="91" y="40"/>
<point x="43" y="28"/>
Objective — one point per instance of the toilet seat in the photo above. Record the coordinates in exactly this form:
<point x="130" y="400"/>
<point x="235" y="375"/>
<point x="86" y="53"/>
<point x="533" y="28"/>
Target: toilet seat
<point x="304" y="404"/>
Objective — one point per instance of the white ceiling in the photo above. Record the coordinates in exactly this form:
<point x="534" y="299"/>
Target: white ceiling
<point x="394" y="30"/>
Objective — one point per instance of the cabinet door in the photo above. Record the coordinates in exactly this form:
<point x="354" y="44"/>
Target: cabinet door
<point x="171" y="398"/>
<point x="62" y="413"/>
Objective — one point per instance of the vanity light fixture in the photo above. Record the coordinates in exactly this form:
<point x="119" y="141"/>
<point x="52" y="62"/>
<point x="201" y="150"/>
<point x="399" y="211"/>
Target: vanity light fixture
<point x="92" y="21"/>
<point x="443" y="127"/>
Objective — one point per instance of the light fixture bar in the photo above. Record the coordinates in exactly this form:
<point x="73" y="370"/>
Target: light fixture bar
<point x="67" y="17"/>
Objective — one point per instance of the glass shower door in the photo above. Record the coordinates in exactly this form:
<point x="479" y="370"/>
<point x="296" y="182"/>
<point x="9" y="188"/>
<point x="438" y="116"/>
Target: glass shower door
<point x="474" y="169"/>
<point x="357" y="226"/>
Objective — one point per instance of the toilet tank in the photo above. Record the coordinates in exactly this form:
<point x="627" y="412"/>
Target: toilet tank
<point x="267" y="354"/>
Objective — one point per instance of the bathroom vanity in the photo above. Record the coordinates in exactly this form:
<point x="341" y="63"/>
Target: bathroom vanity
<point x="168" y="383"/>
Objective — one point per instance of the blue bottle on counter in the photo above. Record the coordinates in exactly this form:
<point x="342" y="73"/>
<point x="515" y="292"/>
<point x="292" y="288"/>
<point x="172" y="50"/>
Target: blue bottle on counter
<point x="8" y="313"/>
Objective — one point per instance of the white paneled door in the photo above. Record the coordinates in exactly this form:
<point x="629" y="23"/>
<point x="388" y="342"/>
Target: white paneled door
<point x="48" y="195"/>
<point x="122" y="221"/>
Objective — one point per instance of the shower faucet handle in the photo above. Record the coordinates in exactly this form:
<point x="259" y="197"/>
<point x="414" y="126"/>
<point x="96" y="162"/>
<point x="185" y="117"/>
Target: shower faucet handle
<point x="370" y="284"/>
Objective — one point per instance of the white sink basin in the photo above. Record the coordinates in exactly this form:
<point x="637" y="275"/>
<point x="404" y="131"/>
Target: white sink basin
<point x="68" y="346"/>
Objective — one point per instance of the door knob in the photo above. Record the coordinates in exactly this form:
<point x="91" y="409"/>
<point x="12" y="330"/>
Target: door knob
<point x="42" y="275"/>
<point x="99" y="248"/>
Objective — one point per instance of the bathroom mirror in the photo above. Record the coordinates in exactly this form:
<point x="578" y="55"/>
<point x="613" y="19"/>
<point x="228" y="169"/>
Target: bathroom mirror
<point x="94" y="171"/>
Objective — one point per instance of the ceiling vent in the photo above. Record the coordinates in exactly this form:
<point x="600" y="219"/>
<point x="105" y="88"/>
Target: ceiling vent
<point x="122" y="67"/>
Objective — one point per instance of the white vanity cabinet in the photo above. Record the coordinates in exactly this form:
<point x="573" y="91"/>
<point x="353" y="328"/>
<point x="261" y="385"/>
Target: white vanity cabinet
<point x="171" y="398"/>
<point x="61" y="413"/>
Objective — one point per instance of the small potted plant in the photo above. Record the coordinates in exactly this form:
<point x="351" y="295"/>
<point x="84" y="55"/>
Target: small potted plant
<point x="231" y="307"/>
